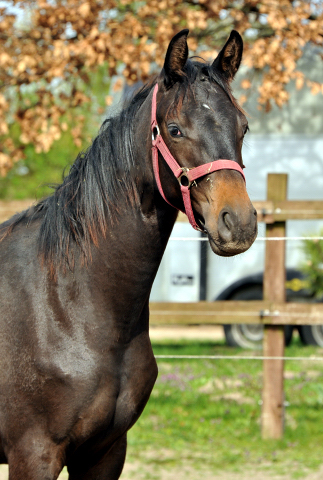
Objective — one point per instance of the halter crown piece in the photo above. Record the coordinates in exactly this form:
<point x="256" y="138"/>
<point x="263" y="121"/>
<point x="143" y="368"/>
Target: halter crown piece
<point x="184" y="175"/>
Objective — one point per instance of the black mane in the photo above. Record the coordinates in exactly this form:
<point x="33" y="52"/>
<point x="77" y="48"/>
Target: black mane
<point x="80" y="208"/>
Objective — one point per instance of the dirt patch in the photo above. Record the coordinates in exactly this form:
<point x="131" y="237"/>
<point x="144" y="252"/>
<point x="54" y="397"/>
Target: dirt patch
<point x="7" y="209"/>
<point x="195" y="332"/>
<point x="149" y="471"/>
<point x="186" y="472"/>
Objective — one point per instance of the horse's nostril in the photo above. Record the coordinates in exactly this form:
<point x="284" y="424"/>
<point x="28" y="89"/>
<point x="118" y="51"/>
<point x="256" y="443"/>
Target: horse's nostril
<point x="226" y="226"/>
<point x="227" y="220"/>
<point x="236" y="226"/>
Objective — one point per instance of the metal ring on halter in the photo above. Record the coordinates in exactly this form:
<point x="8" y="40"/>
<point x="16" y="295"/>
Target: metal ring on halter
<point x="187" y="183"/>
<point x="155" y="132"/>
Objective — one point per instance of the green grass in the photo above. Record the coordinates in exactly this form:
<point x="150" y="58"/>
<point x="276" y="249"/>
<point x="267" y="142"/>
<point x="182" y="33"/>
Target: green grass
<point x="208" y="413"/>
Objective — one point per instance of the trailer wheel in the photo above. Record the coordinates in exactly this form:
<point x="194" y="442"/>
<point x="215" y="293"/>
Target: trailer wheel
<point x="311" y="334"/>
<point x="244" y="336"/>
<point x="250" y="336"/>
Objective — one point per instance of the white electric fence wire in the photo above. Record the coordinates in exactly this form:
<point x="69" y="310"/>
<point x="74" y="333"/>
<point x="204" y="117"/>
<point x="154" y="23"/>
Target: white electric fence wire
<point x="312" y="316"/>
<point x="205" y="239"/>
<point x="233" y="357"/>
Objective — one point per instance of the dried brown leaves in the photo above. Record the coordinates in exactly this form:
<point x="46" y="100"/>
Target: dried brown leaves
<point x="67" y="39"/>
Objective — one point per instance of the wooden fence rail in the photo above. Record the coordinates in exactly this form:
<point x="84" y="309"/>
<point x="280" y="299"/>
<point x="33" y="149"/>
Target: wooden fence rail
<point x="273" y="312"/>
<point x="227" y="312"/>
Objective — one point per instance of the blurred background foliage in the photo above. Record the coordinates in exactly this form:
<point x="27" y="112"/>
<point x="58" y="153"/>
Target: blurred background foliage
<point x="312" y="266"/>
<point x="62" y="63"/>
<point x="28" y="178"/>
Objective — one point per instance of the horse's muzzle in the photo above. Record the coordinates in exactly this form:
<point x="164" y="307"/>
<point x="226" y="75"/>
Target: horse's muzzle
<point x="234" y="233"/>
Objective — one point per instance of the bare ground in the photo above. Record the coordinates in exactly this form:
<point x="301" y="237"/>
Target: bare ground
<point x="187" y="472"/>
<point x="138" y="471"/>
<point x="191" y="332"/>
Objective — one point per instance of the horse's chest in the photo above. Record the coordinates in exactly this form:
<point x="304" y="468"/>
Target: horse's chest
<point x="118" y="403"/>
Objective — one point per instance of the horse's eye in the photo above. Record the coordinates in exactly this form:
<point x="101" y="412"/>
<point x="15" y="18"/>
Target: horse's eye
<point x="174" y="131"/>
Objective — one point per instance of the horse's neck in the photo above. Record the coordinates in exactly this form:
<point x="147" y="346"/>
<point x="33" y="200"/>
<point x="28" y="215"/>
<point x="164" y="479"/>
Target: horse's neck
<point x="157" y="218"/>
<point x="154" y="217"/>
<point x="133" y="248"/>
<point x="125" y="269"/>
<point x="136" y="242"/>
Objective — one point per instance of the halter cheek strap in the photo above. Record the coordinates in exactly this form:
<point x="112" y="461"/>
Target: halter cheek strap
<point x="185" y="175"/>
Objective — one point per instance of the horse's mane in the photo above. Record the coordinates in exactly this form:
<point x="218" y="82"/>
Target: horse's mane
<point x="80" y="209"/>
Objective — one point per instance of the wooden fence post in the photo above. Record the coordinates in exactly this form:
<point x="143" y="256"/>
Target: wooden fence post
<point x="273" y="344"/>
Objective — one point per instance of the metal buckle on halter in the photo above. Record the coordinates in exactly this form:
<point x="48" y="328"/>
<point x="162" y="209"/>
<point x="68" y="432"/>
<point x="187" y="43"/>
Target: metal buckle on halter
<point x="155" y="132"/>
<point x="183" y="176"/>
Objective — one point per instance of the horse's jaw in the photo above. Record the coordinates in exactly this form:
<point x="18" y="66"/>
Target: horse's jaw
<point x="231" y="248"/>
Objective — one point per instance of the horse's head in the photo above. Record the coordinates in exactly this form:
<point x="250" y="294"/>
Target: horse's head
<point x="199" y="123"/>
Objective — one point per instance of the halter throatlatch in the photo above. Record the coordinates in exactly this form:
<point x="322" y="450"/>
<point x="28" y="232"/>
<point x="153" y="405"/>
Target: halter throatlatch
<point x="184" y="175"/>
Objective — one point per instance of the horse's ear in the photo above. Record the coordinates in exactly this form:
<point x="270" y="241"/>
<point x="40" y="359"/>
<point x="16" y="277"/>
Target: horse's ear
<point x="176" y="58"/>
<point x="228" y="60"/>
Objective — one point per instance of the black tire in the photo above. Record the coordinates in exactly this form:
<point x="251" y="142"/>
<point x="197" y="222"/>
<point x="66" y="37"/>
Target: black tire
<point x="250" y="336"/>
<point x="311" y="334"/>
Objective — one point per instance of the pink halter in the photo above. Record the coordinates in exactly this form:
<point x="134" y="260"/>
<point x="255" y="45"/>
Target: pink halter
<point x="185" y="175"/>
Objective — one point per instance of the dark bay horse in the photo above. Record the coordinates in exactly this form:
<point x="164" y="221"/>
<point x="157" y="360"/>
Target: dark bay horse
<point x="76" y="363"/>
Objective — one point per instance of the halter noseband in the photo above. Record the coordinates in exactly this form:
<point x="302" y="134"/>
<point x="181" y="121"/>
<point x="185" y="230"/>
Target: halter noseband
<point x="184" y="175"/>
